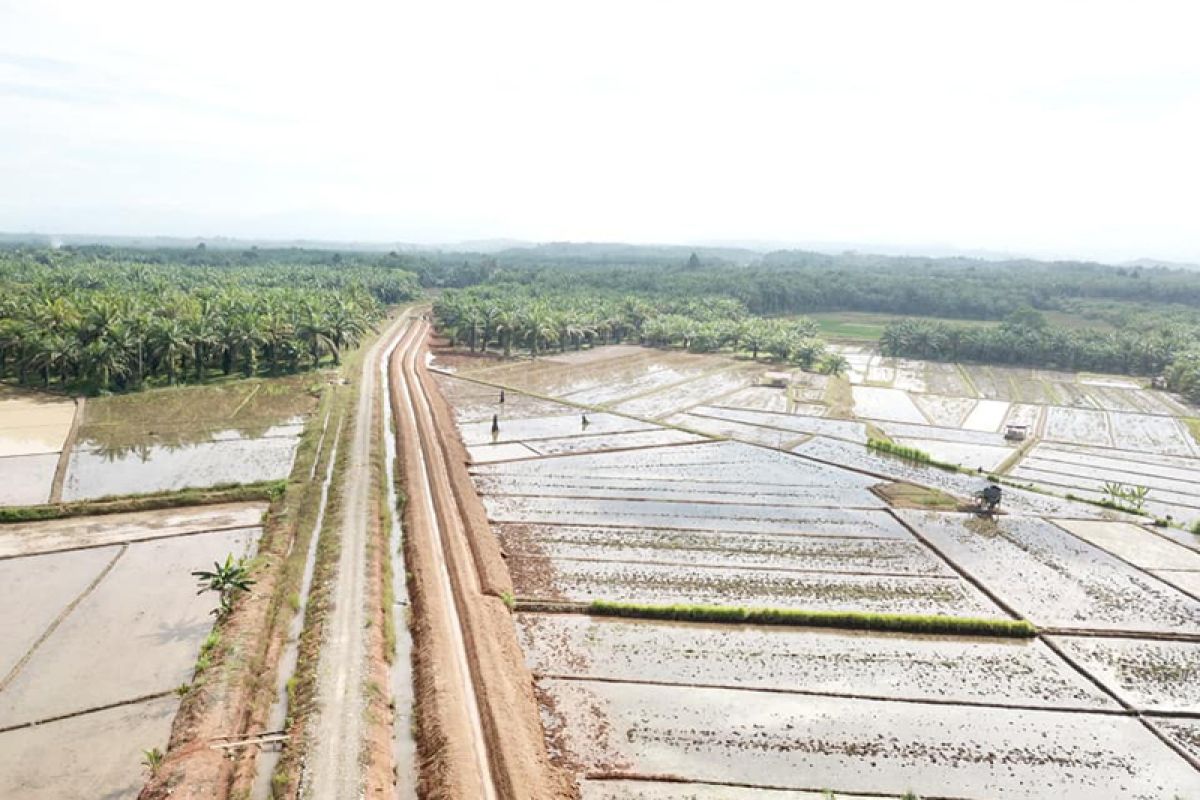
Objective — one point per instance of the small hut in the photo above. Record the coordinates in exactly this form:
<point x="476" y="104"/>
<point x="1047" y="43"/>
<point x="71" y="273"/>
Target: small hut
<point x="1016" y="433"/>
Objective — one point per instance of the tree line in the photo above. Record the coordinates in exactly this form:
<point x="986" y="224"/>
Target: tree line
<point x="516" y="317"/>
<point x="94" y="324"/>
<point x="1026" y="339"/>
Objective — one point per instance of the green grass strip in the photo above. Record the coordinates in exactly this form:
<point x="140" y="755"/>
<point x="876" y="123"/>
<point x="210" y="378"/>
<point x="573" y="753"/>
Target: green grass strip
<point x="850" y="620"/>
<point x="228" y="493"/>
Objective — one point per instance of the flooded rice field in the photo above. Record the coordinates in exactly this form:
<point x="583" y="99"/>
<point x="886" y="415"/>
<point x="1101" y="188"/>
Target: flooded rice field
<point x="785" y="516"/>
<point x="623" y="789"/>
<point x="119" y="588"/>
<point x="27" y="480"/>
<point x="873" y="402"/>
<point x="474" y="402"/>
<point x="979" y="457"/>
<point x="94" y="473"/>
<point x="809" y="660"/>
<point x="188" y="437"/>
<point x="745" y="517"/>
<point x="677" y="489"/>
<point x="787" y="423"/>
<point x="33" y="423"/>
<point x="1146" y="674"/>
<point x="721" y="462"/>
<point x="1053" y="577"/>
<point x="531" y="429"/>
<point x="96" y="755"/>
<point x="867" y="746"/>
<point x="682" y="396"/>
<point x="562" y="579"/>
<point x="33" y="432"/>
<point x="715" y="548"/>
<point x="1139" y="546"/>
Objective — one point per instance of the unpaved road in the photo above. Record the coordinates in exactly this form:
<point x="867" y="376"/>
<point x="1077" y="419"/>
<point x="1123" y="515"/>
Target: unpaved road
<point x="434" y="518"/>
<point x="333" y="767"/>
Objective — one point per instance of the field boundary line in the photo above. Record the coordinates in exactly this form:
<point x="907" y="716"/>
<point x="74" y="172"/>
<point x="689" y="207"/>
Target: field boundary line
<point x="1073" y="464"/>
<point x="1146" y="571"/>
<point x="138" y="540"/>
<point x="967" y="576"/>
<point x="1137" y="714"/>
<point x="62" y="616"/>
<point x="933" y="701"/>
<point x="1100" y="633"/>
<point x="64" y="455"/>
<point x="146" y="698"/>
<point x="709" y="439"/>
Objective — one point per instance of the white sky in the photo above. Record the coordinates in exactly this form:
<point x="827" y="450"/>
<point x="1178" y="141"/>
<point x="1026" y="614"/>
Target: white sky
<point x="1051" y="128"/>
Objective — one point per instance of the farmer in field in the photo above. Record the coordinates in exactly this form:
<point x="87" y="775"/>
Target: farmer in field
<point x="989" y="497"/>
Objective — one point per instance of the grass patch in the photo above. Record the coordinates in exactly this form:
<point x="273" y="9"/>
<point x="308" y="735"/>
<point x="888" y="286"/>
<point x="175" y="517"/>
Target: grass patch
<point x="227" y="493"/>
<point x="1193" y="426"/>
<point x="839" y="398"/>
<point x="910" y="454"/>
<point x="910" y="495"/>
<point x="850" y="620"/>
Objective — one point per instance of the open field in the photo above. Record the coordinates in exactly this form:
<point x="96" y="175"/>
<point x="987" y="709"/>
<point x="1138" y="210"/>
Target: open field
<point x="105" y="625"/>
<point x="671" y="709"/>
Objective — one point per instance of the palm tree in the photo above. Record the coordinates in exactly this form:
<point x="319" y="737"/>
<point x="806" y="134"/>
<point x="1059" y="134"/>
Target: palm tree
<point x="538" y="326"/>
<point x="168" y="342"/>
<point x="834" y="364"/>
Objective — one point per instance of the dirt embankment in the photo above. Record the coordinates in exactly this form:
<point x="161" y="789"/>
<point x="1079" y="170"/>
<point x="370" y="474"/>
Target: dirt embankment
<point x="520" y="766"/>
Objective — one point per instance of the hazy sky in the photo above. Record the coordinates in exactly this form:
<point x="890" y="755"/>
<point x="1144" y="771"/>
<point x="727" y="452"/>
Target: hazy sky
<point x="1043" y="127"/>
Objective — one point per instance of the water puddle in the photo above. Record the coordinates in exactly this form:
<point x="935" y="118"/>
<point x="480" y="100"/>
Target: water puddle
<point x="404" y="743"/>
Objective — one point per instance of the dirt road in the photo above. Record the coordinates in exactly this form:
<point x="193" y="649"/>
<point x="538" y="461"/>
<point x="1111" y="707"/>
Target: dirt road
<point x="333" y="767"/>
<point x="431" y="518"/>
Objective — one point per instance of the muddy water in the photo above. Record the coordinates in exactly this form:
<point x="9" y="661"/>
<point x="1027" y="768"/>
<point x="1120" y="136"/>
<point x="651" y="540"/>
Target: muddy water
<point x="734" y="491"/>
<point x="895" y="666"/>
<point x="753" y="738"/>
<point x="26" y="480"/>
<point x="404" y="743"/>
<point x="157" y="468"/>
<point x="873" y="402"/>
<point x="32" y="423"/>
<point x="534" y="428"/>
<point x="34" y="590"/>
<point x="698" y="548"/>
<point x="1077" y="426"/>
<point x="704" y="389"/>
<point x="1147" y="674"/>
<point x="584" y="581"/>
<point x="268" y="759"/>
<point x="618" y="789"/>
<point x="699" y="516"/>
<point x="144" y="617"/>
<point x="841" y="429"/>
<point x="1054" y="578"/>
<point x="95" y="755"/>
<point x="613" y="441"/>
